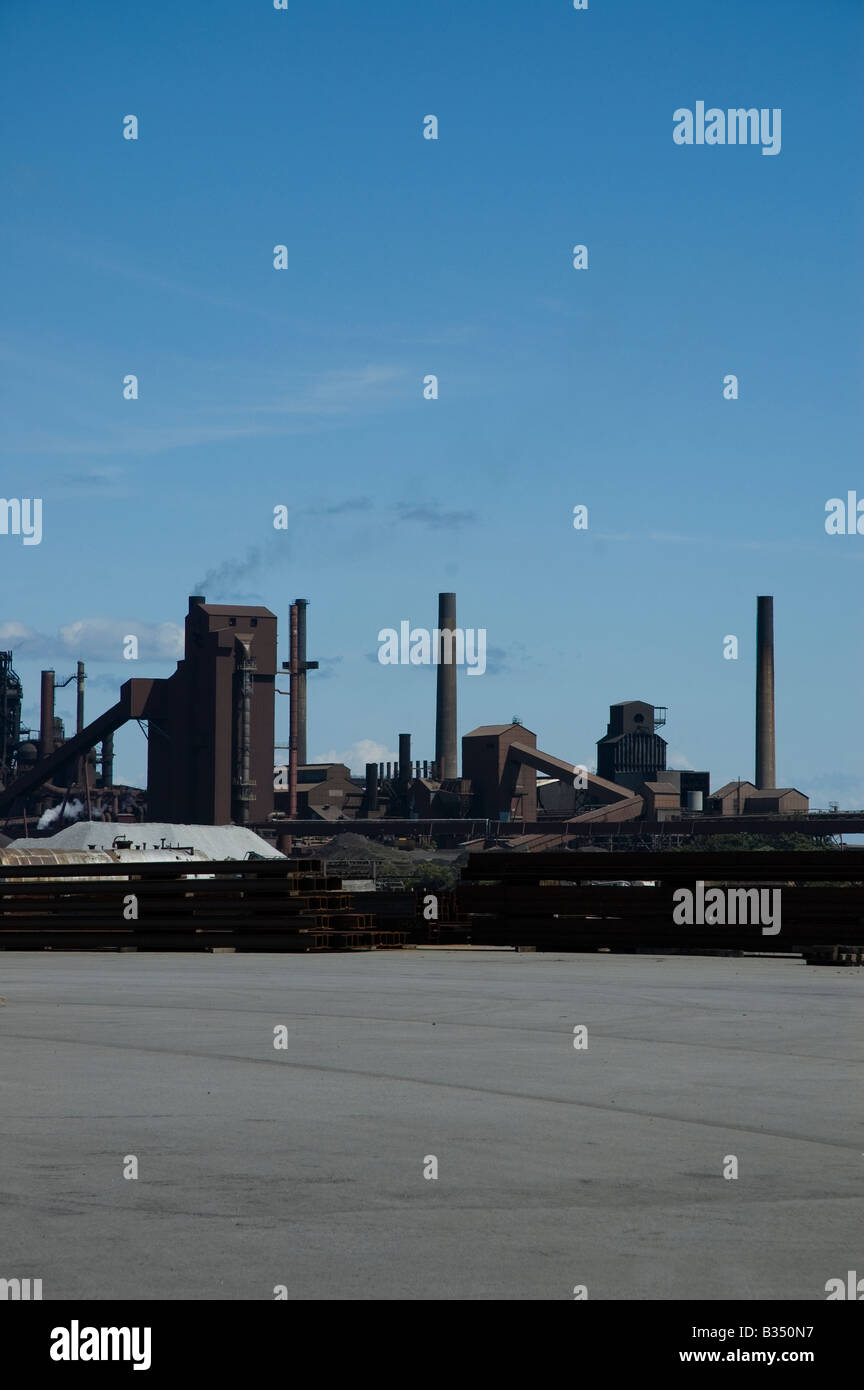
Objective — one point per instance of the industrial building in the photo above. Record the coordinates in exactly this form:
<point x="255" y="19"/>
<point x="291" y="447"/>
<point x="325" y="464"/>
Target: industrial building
<point x="212" y="758"/>
<point x="210" y="728"/>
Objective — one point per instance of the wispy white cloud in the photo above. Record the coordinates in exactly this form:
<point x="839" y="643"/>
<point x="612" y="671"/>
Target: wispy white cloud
<point x="21" y="637"/>
<point x="331" y="396"/>
<point x="96" y="639"/>
<point x="336" y="392"/>
<point x="364" y="751"/>
<point x="101" y="639"/>
<point x="678" y="761"/>
<point x="715" y="541"/>
<point x="846" y="788"/>
<point x="115" y="262"/>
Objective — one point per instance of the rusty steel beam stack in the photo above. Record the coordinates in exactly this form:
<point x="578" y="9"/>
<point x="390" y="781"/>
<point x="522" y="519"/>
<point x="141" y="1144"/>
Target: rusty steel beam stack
<point x="260" y="905"/>
<point x="560" y="901"/>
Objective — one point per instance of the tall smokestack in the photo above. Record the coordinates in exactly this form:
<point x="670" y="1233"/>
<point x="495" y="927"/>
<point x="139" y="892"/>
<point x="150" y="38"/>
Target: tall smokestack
<point x="46" y="715"/>
<point x="292" y="716"/>
<point x="765" y="771"/>
<point x="301" y="604"/>
<point x="445" y="707"/>
<point x="79" y="720"/>
<point x="81" y="769"/>
<point x="244" y="667"/>
<point x="371" y="798"/>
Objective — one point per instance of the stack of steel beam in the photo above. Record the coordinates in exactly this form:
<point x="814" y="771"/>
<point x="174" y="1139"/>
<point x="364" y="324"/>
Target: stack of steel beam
<point x="625" y="902"/>
<point x="249" y="905"/>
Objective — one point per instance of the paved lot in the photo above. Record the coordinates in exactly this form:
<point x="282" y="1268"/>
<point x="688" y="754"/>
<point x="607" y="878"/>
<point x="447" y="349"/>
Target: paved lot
<point x="304" y="1167"/>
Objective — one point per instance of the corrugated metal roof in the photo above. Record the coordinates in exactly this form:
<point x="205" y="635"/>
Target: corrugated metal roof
<point x="772" y="791"/>
<point x="622" y="810"/>
<point x="55" y="856"/>
<point x="242" y="610"/>
<point x="631" y="733"/>
<point x="207" y="841"/>
<point x="732" y="787"/>
<point x="490" y="729"/>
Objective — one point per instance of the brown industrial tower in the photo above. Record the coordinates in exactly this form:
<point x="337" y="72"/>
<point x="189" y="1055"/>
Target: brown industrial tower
<point x="765" y="771"/>
<point x="210" y="750"/>
<point x="446" y="737"/>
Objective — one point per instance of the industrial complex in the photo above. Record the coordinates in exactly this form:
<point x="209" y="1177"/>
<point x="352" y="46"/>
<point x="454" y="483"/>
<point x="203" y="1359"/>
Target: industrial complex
<point x="212" y="757"/>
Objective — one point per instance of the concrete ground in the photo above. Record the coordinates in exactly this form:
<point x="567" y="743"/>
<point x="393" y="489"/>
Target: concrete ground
<point x="304" y="1166"/>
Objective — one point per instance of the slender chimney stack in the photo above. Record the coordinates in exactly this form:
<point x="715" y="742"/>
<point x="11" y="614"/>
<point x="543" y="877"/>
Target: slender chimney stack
<point x="81" y="761"/>
<point x="244" y="667"/>
<point x="446" y="755"/>
<point x="46" y="715"/>
<point x="766" y="776"/>
<point x="301" y="605"/>
<point x="293" y="701"/>
<point x="404" y="760"/>
<point x="79" y="720"/>
<point x="371" y="799"/>
<point x="297" y="668"/>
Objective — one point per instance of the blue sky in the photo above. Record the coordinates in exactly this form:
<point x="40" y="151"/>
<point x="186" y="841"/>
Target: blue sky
<point x="407" y="257"/>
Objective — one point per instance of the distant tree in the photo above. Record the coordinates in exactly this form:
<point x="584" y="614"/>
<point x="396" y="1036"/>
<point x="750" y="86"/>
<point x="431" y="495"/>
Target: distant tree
<point x="432" y="876"/>
<point x="746" y="840"/>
